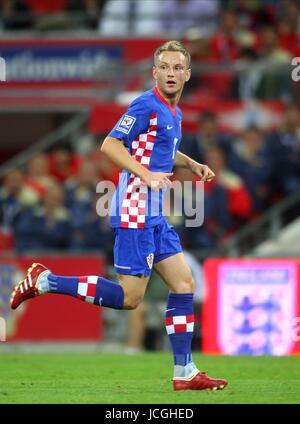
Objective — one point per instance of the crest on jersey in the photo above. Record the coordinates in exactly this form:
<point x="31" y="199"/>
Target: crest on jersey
<point x="150" y="260"/>
<point x="126" y="124"/>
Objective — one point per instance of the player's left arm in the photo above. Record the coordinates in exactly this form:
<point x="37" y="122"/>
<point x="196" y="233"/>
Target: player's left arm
<point x="199" y="169"/>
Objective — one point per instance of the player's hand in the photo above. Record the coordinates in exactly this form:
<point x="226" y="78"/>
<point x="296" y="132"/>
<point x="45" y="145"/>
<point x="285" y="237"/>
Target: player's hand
<point x="203" y="171"/>
<point x="157" y="180"/>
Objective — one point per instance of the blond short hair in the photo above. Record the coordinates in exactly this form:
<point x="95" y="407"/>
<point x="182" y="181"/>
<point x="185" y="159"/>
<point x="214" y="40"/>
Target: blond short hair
<point x="173" y="46"/>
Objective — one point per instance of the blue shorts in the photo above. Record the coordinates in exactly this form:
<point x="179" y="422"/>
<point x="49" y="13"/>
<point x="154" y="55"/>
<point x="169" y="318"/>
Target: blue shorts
<point x="136" y="250"/>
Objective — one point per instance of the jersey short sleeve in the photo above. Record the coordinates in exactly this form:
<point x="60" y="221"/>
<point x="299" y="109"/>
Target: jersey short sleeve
<point x="134" y="122"/>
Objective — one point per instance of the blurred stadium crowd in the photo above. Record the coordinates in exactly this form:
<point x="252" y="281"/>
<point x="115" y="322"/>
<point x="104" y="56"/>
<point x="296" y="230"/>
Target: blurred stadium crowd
<point x="229" y="25"/>
<point x="171" y="17"/>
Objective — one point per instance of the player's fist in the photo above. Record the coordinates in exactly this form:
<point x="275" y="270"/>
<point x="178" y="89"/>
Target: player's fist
<point x="157" y="180"/>
<point x="203" y="171"/>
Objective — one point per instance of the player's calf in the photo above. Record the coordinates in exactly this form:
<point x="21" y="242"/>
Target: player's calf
<point x="91" y="289"/>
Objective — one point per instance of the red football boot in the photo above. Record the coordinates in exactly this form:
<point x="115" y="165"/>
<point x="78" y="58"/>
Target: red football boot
<point x="200" y="381"/>
<point x="28" y="288"/>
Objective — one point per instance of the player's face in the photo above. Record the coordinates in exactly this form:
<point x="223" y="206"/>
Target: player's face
<point x="171" y="73"/>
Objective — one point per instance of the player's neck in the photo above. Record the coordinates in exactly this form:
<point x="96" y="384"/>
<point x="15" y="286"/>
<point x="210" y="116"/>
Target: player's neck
<point x="172" y="101"/>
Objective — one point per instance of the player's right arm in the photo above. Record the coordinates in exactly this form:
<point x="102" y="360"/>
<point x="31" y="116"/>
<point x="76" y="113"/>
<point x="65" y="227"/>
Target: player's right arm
<point x="115" y="150"/>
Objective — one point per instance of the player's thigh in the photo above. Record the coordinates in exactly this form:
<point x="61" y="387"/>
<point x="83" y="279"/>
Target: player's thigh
<point x="134" y="287"/>
<point x="176" y="273"/>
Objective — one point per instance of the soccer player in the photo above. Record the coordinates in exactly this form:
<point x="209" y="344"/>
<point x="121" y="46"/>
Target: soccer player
<point x="144" y="143"/>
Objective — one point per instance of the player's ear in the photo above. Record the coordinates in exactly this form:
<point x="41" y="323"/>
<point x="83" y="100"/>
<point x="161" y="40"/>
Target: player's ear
<point x="154" y="72"/>
<point x="188" y="75"/>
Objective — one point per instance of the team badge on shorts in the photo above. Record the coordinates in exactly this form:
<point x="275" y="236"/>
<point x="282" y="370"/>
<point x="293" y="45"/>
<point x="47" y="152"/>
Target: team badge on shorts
<point x="126" y="124"/>
<point x="150" y="260"/>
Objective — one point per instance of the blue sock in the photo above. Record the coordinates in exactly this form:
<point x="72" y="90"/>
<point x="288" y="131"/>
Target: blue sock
<point x="91" y="289"/>
<point x="180" y="326"/>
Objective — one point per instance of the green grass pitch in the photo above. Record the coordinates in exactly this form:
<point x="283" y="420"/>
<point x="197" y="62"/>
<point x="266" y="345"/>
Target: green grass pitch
<point x="144" y="378"/>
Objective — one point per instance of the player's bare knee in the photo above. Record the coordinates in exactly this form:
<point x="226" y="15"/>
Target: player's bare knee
<point x="132" y="302"/>
<point x="132" y="299"/>
<point x="186" y="285"/>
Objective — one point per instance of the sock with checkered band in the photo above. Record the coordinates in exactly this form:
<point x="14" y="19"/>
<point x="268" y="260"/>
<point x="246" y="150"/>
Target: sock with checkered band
<point x="90" y="289"/>
<point x="180" y="326"/>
